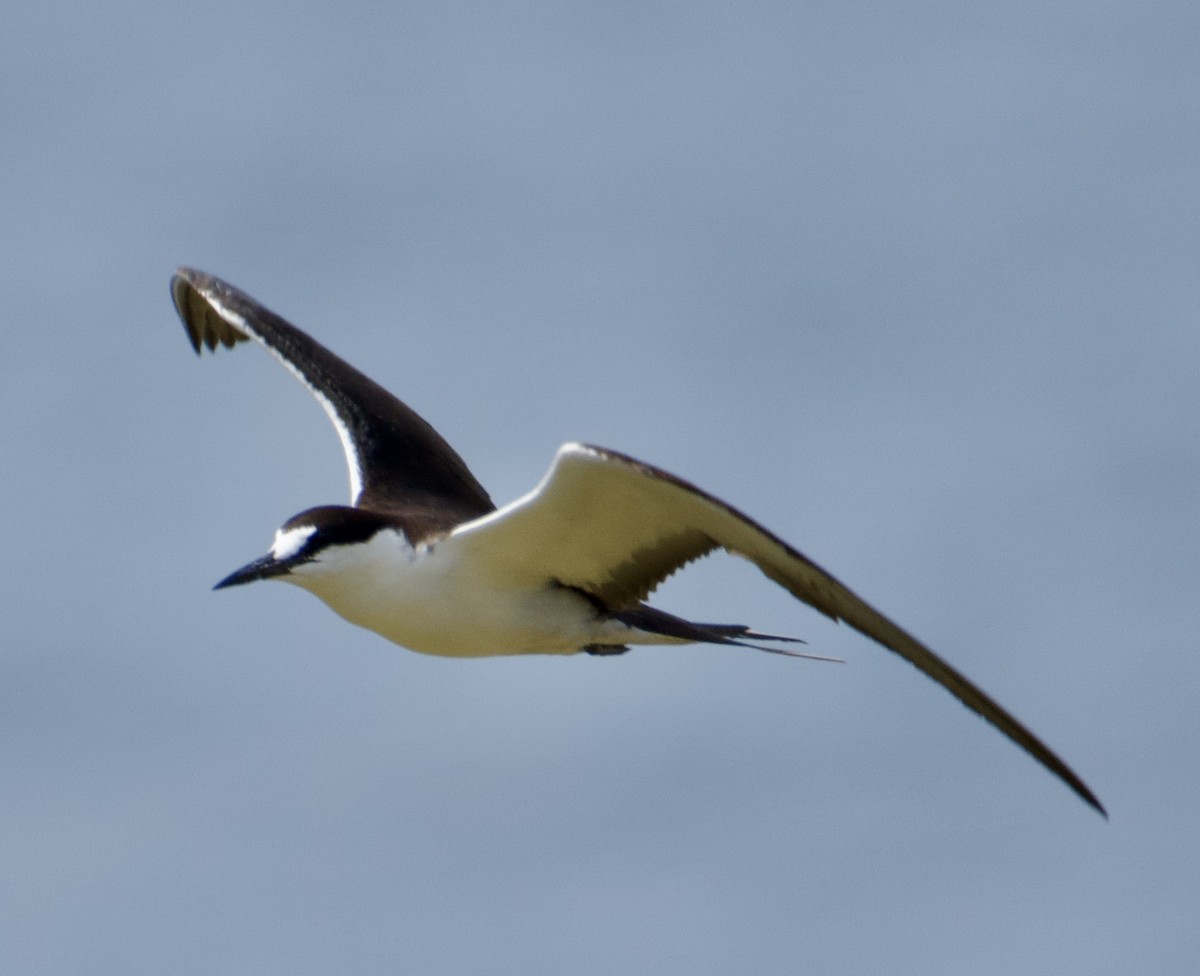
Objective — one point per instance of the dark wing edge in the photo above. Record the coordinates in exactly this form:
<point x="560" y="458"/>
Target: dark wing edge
<point x="811" y="584"/>
<point x="647" y="569"/>
<point x="397" y="461"/>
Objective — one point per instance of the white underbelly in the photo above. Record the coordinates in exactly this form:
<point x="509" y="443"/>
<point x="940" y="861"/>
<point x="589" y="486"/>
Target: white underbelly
<point x="476" y="627"/>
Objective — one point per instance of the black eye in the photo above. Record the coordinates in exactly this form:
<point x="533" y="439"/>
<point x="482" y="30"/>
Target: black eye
<point x="317" y="529"/>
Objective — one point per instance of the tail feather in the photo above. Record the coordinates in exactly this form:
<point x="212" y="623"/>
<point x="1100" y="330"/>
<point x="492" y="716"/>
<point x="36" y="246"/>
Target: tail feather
<point x="741" y="630"/>
<point x="668" y="625"/>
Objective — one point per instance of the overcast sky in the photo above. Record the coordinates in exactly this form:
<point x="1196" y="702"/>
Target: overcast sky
<point x="914" y="285"/>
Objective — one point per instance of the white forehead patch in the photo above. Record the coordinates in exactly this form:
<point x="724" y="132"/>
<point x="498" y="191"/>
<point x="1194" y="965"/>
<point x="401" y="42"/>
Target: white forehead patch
<point x="288" y="543"/>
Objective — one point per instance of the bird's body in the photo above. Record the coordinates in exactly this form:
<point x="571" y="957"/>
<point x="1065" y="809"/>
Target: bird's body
<point x="424" y="558"/>
<point x="431" y="599"/>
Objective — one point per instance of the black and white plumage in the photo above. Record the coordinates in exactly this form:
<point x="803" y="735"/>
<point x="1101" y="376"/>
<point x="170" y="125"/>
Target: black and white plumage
<point x="424" y="558"/>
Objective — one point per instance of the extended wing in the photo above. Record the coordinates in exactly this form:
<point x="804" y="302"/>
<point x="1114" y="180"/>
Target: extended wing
<point x="615" y="528"/>
<point x="396" y="459"/>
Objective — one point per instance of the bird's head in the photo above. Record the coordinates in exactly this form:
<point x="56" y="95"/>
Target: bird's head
<point x="312" y="546"/>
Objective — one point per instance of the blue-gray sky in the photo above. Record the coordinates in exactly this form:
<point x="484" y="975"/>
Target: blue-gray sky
<point x="913" y="284"/>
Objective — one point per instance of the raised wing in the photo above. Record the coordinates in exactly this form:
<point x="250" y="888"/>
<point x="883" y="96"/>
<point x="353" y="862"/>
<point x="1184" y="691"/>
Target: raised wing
<point x="616" y="528"/>
<point x="397" y="461"/>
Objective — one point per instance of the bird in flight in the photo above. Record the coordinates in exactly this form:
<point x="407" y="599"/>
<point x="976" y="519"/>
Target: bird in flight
<point x="423" y="557"/>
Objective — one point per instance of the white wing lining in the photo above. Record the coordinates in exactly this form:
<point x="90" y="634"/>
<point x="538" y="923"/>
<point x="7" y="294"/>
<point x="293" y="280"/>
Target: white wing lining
<point x="597" y="518"/>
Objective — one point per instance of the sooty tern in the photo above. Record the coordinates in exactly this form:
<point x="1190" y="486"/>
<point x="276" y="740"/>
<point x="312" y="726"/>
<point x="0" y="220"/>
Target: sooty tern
<point x="424" y="558"/>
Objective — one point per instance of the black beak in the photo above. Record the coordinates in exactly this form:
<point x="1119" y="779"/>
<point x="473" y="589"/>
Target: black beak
<point x="263" y="568"/>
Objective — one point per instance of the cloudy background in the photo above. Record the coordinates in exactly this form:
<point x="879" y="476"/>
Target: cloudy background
<point x="913" y="284"/>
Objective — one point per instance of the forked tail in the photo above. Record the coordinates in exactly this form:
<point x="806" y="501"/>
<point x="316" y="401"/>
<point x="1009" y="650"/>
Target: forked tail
<point x="668" y="625"/>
